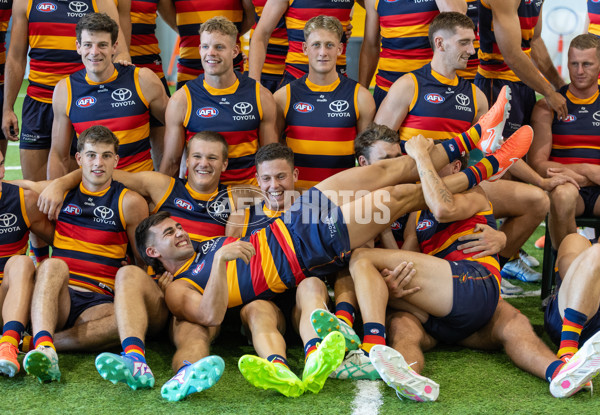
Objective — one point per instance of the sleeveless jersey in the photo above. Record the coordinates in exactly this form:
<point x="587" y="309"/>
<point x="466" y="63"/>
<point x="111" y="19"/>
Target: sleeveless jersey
<point x="278" y="42"/>
<point x="236" y="113"/>
<point x="404" y="38"/>
<point x="5" y="13"/>
<point x="90" y="237"/>
<point x="441" y="108"/>
<point x="398" y="227"/>
<point x="190" y="14"/>
<point x="203" y="216"/>
<point x="321" y="127"/>
<point x="473" y="14"/>
<point x="14" y="224"/>
<point x="144" y="48"/>
<point x="298" y="13"/>
<point x="575" y="139"/>
<point x="441" y="239"/>
<point x="118" y="104"/>
<point x="53" y="53"/>
<point x="491" y="61"/>
<point x="274" y="268"/>
<point x="258" y="216"/>
<point x="593" y="7"/>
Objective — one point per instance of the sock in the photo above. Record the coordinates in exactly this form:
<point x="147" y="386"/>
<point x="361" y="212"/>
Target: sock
<point x="345" y="312"/>
<point x="26" y="344"/>
<point x="11" y="333"/>
<point x="463" y="143"/>
<point x="278" y="360"/>
<point x="134" y="347"/>
<point x="43" y="338"/>
<point x="503" y="261"/>
<point x="553" y="369"/>
<point x="40" y="253"/>
<point x="310" y="347"/>
<point x="374" y="333"/>
<point x="571" y="330"/>
<point x="482" y="170"/>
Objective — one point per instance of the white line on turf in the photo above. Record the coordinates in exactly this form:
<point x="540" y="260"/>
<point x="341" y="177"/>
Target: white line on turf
<point x="368" y="398"/>
<point x="12" y="167"/>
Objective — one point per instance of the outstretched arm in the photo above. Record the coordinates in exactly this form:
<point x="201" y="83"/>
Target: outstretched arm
<point x="174" y="133"/>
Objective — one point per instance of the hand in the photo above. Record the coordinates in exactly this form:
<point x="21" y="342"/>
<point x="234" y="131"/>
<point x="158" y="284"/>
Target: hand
<point x="236" y="250"/>
<point x="123" y="59"/>
<point x="418" y="145"/>
<point x="10" y="125"/>
<point x="556" y="179"/>
<point x="577" y="179"/>
<point x="51" y="199"/>
<point x="484" y="240"/>
<point x="348" y="32"/>
<point x="558" y="103"/>
<point x="399" y="278"/>
<point x="164" y="280"/>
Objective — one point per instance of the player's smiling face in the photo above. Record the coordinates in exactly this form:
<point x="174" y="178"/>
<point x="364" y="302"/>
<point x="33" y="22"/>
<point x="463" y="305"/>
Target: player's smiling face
<point x="205" y="163"/>
<point x="217" y="51"/>
<point x="97" y="162"/>
<point x="97" y="50"/>
<point x="169" y="241"/>
<point x="322" y="48"/>
<point x="275" y="177"/>
<point x="458" y="47"/>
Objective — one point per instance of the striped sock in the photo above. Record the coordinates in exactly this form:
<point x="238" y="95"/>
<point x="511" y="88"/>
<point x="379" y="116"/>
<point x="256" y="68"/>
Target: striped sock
<point x="278" y="360"/>
<point x="40" y="253"/>
<point x="134" y="347"/>
<point x="310" y="347"/>
<point x="571" y="330"/>
<point x="345" y="312"/>
<point x="463" y="143"/>
<point x="11" y="333"/>
<point x="482" y="170"/>
<point x="43" y="338"/>
<point x="374" y="333"/>
<point x="27" y="343"/>
<point x="553" y="369"/>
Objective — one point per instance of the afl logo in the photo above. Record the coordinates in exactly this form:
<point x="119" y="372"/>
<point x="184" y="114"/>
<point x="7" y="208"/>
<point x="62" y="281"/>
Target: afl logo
<point x="46" y="7"/>
<point x="303" y="107"/>
<point x="85" y="102"/>
<point x="183" y="204"/>
<point x="424" y="224"/>
<point x="569" y="118"/>
<point x="434" y="98"/>
<point x="396" y="226"/>
<point x="207" y="112"/>
<point x="198" y="268"/>
<point x="72" y="209"/>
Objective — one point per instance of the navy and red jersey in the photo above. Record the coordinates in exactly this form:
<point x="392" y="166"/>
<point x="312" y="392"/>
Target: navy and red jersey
<point x="117" y="103"/>
<point x="14" y="224"/>
<point x="90" y="236"/>
<point x="321" y="127"/>
<point x="593" y="7"/>
<point x="236" y="113"/>
<point x="5" y="13"/>
<point x="144" y="48"/>
<point x="258" y="216"/>
<point x="278" y="42"/>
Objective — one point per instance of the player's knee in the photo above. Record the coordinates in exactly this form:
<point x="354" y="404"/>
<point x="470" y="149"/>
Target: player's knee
<point x="593" y="257"/>
<point x="539" y="203"/>
<point x="563" y="197"/>
<point x="21" y="266"/>
<point x="358" y="262"/>
<point x="131" y="276"/>
<point x="312" y="287"/>
<point x="53" y="269"/>
<point x="256" y="311"/>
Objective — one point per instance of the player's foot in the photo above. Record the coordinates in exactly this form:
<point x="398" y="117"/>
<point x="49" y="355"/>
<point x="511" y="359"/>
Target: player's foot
<point x="513" y="149"/>
<point x="323" y="361"/>
<point x="506" y="288"/>
<point x="193" y="378"/>
<point x="399" y="376"/>
<point x="356" y="366"/>
<point x="268" y="375"/>
<point x="42" y="363"/>
<point x="517" y="268"/>
<point x="325" y="322"/>
<point x="530" y="260"/>
<point x="581" y="368"/>
<point x="124" y="368"/>
<point x="492" y="123"/>
<point x="9" y="365"/>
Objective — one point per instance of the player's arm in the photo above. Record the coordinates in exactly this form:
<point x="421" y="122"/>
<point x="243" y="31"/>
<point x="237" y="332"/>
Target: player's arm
<point x="280" y="97"/>
<point x="174" y="133"/>
<point x="459" y="6"/>
<point x="135" y="210"/>
<point x="62" y="133"/>
<point x="14" y="70"/>
<point x="39" y="224"/>
<point x="208" y="309"/>
<point x="248" y="19"/>
<point x="369" y="51"/>
<point x="122" y="53"/>
<point x="411" y="242"/>
<point x="267" y="131"/>
<point x="272" y="12"/>
<point x="387" y="239"/>
<point x="154" y="92"/>
<point x="397" y="103"/>
<point x="166" y="10"/>
<point x="541" y="57"/>
<point x="507" y="31"/>
<point x="124" y="10"/>
<point x="482" y="104"/>
<point x="366" y="109"/>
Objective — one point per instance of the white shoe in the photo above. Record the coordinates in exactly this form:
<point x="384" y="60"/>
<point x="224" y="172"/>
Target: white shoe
<point x="507" y="288"/>
<point x="42" y="363"/>
<point x="530" y="260"/>
<point x="517" y="268"/>
<point x="356" y="365"/>
<point x="399" y="376"/>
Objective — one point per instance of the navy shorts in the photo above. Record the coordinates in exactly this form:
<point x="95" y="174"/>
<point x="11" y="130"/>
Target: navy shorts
<point x="271" y="81"/>
<point x="521" y="104"/>
<point x="553" y="322"/>
<point x="379" y="95"/>
<point x="589" y="195"/>
<point x="475" y="297"/>
<point x="319" y="233"/>
<point x="81" y="301"/>
<point x="36" y="124"/>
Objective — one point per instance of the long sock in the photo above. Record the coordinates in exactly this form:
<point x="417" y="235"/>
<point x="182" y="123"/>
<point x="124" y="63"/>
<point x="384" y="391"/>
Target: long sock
<point x="12" y="332"/>
<point x="134" y="347"/>
<point x="374" y="333"/>
<point x="27" y="343"/>
<point x="278" y="360"/>
<point x="40" y="253"/>
<point x="503" y="261"/>
<point x="553" y="369"/>
<point x="310" y="347"/>
<point x="571" y="330"/>
<point x="43" y="338"/>
<point x="345" y="312"/>
<point x="482" y="170"/>
<point x="463" y="143"/>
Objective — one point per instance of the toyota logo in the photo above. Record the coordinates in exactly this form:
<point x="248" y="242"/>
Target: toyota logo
<point x="463" y="100"/>
<point x="121" y="94"/>
<point x="78" y="6"/>
<point x="596" y="116"/>
<point x="339" y="105"/>
<point x="103" y="212"/>
<point x="7" y="220"/>
<point x="243" y="108"/>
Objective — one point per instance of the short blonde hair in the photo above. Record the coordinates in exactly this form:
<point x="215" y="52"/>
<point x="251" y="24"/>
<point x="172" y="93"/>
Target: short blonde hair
<point x="329" y="23"/>
<point x="220" y="24"/>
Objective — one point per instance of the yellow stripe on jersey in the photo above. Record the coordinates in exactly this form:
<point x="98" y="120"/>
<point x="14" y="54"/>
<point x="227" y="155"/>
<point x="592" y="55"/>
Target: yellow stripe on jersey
<point x="23" y="208"/>
<point x="188" y="111"/>
<point x="138" y="88"/>
<point x="406" y="133"/>
<point x="506" y="75"/>
<point x="141" y="50"/>
<point x="53" y="42"/>
<point x="392" y="32"/>
<point x="322" y="148"/>
<point x="121" y="197"/>
<point x="235" y="296"/>
<point x="288" y="97"/>
<point x="413" y="102"/>
<point x="258" y="102"/>
<point x="69" y="96"/>
<point x="68" y="243"/>
<point x="356" y="101"/>
<point x="243" y="149"/>
<point x="133" y="135"/>
<point x="388" y="64"/>
<point x="167" y="193"/>
<point x="45" y="78"/>
<point x="268" y="265"/>
<point x="221" y="91"/>
<point x="323" y="88"/>
<point x="144" y="18"/>
<point x="196" y="17"/>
